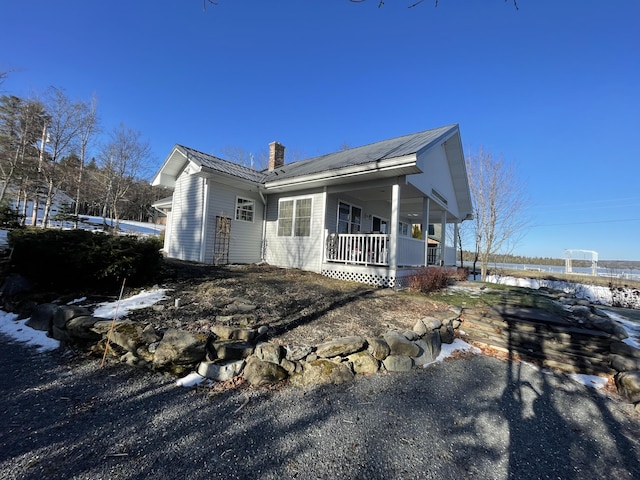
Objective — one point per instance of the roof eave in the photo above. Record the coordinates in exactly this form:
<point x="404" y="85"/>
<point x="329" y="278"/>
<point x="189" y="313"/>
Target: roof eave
<point x="405" y="165"/>
<point x="166" y="176"/>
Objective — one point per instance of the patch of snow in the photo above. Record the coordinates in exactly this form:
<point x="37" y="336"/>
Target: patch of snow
<point x="145" y="298"/>
<point x="4" y="242"/>
<point x="632" y="328"/>
<point x="592" y="293"/>
<point x="190" y="380"/>
<point x="458" y="345"/>
<point x="77" y="300"/>
<point x="17" y="330"/>
<point x="589" y="380"/>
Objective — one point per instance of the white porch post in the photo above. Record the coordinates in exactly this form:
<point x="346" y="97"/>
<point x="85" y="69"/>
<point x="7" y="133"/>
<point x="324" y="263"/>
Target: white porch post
<point x="393" y="231"/>
<point x="426" y="205"/>
<point x="455" y="242"/>
<point x="443" y="237"/>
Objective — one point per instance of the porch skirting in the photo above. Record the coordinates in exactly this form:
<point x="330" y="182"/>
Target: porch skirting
<point x="379" y="276"/>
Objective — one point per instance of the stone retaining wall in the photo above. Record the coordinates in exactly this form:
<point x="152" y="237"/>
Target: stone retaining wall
<point x="229" y="351"/>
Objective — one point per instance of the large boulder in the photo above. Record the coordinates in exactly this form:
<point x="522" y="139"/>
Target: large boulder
<point x="341" y="346"/>
<point x="378" y="348"/>
<point x="398" y="363"/>
<point x="220" y="370"/>
<point x="180" y="348"/>
<point x="430" y="347"/>
<point x="81" y="328"/>
<point x="624" y="364"/>
<point x="364" y="363"/>
<point x="66" y="312"/>
<point x="399" y="345"/>
<point x="42" y="317"/>
<point x="224" y="332"/>
<point x="323" y="372"/>
<point x="294" y="353"/>
<point x="628" y="384"/>
<point x="269" y="352"/>
<point x="229" y="350"/>
<point x="258" y="372"/>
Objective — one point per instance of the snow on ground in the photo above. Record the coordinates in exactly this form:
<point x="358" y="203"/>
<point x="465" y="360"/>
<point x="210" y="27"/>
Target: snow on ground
<point x="18" y="331"/>
<point x="457" y="346"/>
<point x="589" y="380"/>
<point x="632" y="328"/>
<point x="592" y="293"/>
<point x="145" y="298"/>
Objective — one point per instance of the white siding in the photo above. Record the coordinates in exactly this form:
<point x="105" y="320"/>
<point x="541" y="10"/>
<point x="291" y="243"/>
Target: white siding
<point x="438" y="176"/>
<point x="296" y="252"/>
<point x="186" y="218"/>
<point x="246" y="237"/>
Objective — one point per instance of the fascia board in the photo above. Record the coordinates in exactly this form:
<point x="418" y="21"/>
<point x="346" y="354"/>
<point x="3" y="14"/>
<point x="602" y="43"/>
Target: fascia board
<point x="179" y="163"/>
<point x="227" y="179"/>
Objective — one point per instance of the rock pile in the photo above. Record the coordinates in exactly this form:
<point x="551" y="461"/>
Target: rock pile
<point x="582" y="340"/>
<point x="240" y="350"/>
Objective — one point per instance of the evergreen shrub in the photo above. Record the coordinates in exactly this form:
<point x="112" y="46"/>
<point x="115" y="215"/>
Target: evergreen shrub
<point x="79" y="259"/>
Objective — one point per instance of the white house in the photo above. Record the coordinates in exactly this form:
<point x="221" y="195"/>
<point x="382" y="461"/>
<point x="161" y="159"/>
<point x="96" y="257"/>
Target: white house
<point x="346" y="215"/>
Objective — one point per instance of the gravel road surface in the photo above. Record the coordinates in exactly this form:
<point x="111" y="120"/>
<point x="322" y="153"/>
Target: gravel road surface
<point x="476" y="417"/>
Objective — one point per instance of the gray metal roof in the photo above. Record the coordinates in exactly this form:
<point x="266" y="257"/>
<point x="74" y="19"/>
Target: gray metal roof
<point x="222" y="166"/>
<point x="374" y="152"/>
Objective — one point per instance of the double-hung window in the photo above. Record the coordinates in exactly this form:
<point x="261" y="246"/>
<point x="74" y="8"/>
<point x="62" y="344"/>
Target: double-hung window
<point x="294" y="217"/>
<point x="245" y="209"/>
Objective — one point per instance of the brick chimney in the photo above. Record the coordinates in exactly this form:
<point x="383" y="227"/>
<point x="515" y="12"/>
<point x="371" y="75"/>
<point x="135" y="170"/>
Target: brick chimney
<point x="276" y="155"/>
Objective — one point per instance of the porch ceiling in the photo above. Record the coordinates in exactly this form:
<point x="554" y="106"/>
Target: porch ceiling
<point x="411" y="201"/>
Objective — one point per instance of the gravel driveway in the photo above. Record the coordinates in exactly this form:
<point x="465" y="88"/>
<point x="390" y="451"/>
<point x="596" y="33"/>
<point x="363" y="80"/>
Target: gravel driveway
<point x="476" y="417"/>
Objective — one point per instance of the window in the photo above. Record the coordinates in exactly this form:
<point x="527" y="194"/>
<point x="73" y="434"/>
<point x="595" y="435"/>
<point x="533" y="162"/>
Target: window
<point x="294" y="217"/>
<point x="349" y="218"/>
<point x="244" y="209"/>
<point x="404" y="229"/>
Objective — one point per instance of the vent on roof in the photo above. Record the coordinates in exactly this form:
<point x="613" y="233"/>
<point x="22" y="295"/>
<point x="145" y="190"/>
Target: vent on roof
<point x="439" y="197"/>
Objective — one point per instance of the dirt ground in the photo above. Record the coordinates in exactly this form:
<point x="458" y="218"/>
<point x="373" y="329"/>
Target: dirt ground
<point x="298" y="307"/>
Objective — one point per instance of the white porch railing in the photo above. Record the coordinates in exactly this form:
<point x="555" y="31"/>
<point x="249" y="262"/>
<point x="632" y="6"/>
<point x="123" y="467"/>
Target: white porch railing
<point x="410" y="252"/>
<point x="373" y="249"/>
<point x="358" y="248"/>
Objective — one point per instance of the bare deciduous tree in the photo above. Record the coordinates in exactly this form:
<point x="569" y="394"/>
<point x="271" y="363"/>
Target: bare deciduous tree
<point x="122" y="160"/>
<point x="20" y="127"/>
<point x="60" y="132"/>
<point x="499" y="203"/>
<point x="88" y="128"/>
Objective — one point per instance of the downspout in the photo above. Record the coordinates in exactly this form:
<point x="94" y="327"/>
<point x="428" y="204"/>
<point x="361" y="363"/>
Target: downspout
<point x="203" y="232"/>
<point x="325" y="232"/>
<point x="263" y="243"/>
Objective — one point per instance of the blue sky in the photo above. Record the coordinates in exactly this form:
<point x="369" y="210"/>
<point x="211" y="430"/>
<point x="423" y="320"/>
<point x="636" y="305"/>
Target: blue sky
<point x="554" y="87"/>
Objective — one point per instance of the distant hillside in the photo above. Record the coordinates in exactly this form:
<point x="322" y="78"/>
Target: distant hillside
<point x="522" y="260"/>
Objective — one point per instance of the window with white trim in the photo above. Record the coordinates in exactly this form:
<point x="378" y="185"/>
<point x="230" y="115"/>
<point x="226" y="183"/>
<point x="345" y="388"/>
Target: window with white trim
<point x="294" y="217"/>
<point x="244" y="209"/>
<point x="349" y="218"/>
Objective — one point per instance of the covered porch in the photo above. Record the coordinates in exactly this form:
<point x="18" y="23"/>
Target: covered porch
<point x="369" y="237"/>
